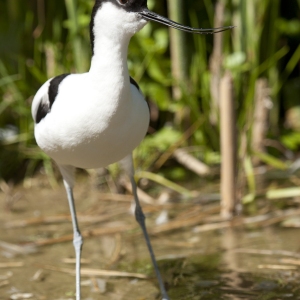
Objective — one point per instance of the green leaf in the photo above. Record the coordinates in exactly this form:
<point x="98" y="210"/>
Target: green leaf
<point x="284" y="193"/>
<point x="163" y="181"/>
<point x="272" y="161"/>
<point x="291" y="140"/>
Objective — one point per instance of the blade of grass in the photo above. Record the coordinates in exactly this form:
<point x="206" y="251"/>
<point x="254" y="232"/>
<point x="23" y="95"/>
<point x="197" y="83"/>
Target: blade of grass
<point x="163" y="181"/>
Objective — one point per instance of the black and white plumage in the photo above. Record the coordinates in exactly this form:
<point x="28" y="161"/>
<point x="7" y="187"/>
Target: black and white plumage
<point x="97" y="118"/>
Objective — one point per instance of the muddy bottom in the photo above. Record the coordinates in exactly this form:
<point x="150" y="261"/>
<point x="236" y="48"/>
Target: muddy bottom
<point x="37" y="256"/>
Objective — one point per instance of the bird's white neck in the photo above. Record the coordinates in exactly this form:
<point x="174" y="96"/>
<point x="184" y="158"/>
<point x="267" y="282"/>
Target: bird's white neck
<point x="110" y="56"/>
<point x="112" y="29"/>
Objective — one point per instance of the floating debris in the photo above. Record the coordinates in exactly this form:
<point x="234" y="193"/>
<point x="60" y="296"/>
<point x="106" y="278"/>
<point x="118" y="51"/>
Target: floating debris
<point x="21" y="296"/>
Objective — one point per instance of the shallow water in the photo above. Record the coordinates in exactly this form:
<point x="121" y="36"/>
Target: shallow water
<point x="219" y="264"/>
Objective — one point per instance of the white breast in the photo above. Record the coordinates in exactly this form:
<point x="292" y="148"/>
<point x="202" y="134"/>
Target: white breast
<point x="92" y="124"/>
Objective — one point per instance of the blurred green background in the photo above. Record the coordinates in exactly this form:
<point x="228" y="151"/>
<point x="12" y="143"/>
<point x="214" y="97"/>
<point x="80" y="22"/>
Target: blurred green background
<point x="43" y="38"/>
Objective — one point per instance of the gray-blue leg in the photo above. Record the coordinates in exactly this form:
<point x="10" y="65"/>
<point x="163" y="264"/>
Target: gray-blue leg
<point x="77" y="239"/>
<point x="140" y="217"/>
<point x="68" y="175"/>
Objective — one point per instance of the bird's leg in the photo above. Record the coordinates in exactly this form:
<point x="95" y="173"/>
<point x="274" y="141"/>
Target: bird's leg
<point x="77" y="239"/>
<point x="140" y="217"/>
<point x="67" y="173"/>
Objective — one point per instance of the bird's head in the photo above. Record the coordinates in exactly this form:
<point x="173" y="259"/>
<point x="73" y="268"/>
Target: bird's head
<point x="126" y="17"/>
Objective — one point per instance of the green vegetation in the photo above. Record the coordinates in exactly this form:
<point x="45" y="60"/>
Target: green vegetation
<point x="41" y="39"/>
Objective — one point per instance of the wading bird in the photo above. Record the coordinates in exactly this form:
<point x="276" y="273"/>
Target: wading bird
<point x="97" y="118"/>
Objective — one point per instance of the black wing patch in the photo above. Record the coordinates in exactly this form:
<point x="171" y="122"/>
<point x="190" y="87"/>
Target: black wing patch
<point x="132" y="81"/>
<point x="41" y="112"/>
<point x="53" y="88"/>
<point x="45" y="108"/>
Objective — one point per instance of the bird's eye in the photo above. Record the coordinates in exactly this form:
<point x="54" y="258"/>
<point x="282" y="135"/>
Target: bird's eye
<point x="123" y="1"/>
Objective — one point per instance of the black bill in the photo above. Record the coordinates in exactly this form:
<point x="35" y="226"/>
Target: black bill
<point x="151" y="16"/>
